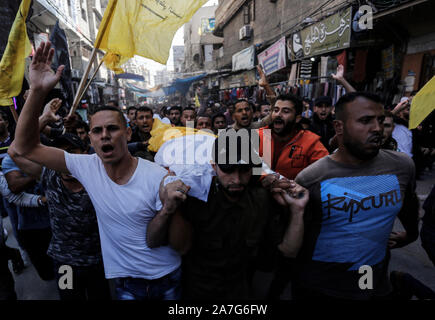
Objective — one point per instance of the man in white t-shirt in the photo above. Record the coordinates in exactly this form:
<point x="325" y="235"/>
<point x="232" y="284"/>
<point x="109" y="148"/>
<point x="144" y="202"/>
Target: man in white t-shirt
<point x="124" y="191"/>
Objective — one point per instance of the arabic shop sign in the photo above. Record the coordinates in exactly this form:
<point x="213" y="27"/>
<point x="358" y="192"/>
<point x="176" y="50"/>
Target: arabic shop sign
<point x="332" y="33"/>
<point x="273" y="58"/>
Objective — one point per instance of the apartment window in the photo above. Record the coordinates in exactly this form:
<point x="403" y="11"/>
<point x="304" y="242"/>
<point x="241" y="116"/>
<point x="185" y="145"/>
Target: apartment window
<point x="246" y="15"/>
<point x="82" y="9"/>
<point x="70" y="8"/>
<point x="249" y="12"/>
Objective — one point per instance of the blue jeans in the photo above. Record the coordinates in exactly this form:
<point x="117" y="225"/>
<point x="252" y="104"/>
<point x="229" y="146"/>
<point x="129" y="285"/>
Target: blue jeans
<point x="164" y="288"/>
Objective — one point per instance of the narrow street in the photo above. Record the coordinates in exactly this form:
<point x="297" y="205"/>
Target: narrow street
<point x="411" y="259"/>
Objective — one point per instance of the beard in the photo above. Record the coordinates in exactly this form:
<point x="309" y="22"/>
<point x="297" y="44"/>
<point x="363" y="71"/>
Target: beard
<point x="231" y="193"/>
<point x="357" y="149"/>
<point x="287" y="129"/>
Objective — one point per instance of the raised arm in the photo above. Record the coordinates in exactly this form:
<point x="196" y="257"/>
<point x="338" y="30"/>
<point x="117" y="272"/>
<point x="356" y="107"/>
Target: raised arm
<point x="339" y="76"/>
<point x="262" y="82"/>
<point x="42" y="81"/>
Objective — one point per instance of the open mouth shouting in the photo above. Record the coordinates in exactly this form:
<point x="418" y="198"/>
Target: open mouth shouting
<point x="278" y="124"/>
<point x="107" y="150"/>
<point x="376" y="141"/>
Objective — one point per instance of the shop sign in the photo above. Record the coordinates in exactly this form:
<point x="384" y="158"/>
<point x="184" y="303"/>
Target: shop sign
<point x="331" y="34"/>
<point x="244" y="60"/>
<point x="273" y="58"/>
<point x="388" y="62"/>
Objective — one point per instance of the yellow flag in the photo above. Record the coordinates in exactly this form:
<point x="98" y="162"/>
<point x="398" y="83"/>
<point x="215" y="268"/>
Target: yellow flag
<point x="422" y="104"/>
<point x="197" y="103"/>
<point x="142" y="27"/>
<point x="14" y="58"/>
<point x="163" y="132"/>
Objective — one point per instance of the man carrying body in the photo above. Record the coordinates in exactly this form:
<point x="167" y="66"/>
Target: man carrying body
<point x="229" y="234"/>
<point x="355" y="195"/>
<point x="124" y="190"/>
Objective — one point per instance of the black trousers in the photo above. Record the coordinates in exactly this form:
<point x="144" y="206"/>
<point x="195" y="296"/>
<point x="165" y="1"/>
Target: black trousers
<point x="7" y="284"/>
<point x="88" y="283"/>
<point x="36" y="243"/>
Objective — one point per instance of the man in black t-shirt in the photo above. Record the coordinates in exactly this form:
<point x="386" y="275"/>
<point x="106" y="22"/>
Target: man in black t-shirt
<point x="238" y="229"/>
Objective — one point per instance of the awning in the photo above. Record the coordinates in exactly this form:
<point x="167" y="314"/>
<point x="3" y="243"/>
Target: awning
<point x="130" y="76"/>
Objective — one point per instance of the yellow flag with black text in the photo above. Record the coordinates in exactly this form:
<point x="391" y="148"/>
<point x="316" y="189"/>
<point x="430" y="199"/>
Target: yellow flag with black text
<point x="14" y="58"/>
<point x="142" y="27"/>
<point x="422" y="104"/>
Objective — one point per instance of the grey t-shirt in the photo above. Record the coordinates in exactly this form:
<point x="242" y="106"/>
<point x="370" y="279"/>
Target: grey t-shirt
<point x="350" y="216"/>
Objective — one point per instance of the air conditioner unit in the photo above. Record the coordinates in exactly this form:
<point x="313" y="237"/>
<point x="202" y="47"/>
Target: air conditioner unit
<point x="245" y="32"/>
<point x="75" y="73"/>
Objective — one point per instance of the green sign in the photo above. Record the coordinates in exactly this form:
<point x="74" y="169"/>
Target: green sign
<point x="330" y="34"/>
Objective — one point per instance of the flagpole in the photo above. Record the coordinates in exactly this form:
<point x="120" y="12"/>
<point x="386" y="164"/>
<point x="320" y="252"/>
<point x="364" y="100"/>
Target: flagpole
<point x="81" y="90"/>
<point x="14" y="113"/>
<point x="91" y="79"/>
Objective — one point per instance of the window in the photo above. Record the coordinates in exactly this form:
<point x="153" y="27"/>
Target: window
<point x="246" y="15"/>
<point x="82" y="9"/>
<point x="249" y="12"/>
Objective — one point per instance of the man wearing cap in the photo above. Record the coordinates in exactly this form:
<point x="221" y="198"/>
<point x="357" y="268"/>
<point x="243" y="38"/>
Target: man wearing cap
<point x="240" y="227"/>
<point x="321" y="123"/>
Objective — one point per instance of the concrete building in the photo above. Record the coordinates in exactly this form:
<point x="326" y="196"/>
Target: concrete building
<point x="178" y="54"/>
<point x="391" y="57"/>
<point x="80" y="19"/>
<point x="199" y="42"/>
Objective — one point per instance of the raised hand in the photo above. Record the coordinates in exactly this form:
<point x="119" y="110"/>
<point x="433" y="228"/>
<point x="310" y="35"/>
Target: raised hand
<point x="340" y="73"/>
<point x="41" y="77"/>
<point x="262" y="82"/>
<point x="50" y="110"/>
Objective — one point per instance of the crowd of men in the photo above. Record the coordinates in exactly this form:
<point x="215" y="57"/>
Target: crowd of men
<point x="89" y="195"/>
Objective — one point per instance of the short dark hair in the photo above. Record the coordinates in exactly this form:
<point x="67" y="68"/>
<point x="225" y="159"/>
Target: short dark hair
<point x="131" y="108"/>
<point x="175" y="108"/>
<point x="110" y="108"/>
<point x="350" y="97"/>
<point x="144" y="109"/>
<point x="189" y="108"/>
<point x="218" y="115"/>
<point x="116" y="103"/>
<point x="4" y="116"/>
<point x="251" y="105"/>
<point x="81" y="124"/>
<point x="293" y="99"/>
<point x="388" y="114"/>
<point x="204" y="116"/>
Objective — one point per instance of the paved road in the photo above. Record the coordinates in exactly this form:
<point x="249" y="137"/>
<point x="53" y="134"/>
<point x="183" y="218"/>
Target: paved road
<point x="411" y="259"/>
